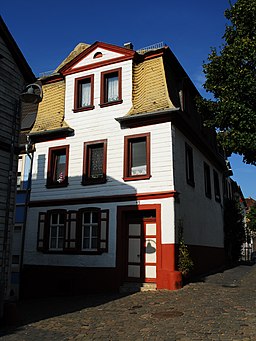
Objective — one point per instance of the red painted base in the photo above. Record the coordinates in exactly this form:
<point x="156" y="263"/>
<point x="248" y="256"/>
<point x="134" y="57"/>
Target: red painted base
<point x="169" y="280"/>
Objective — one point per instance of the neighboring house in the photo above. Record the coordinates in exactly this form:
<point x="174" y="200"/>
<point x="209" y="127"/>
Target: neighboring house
<point x="15" y="73"/>
<point x="122" y="162"/>
<point x="26" y="149"/>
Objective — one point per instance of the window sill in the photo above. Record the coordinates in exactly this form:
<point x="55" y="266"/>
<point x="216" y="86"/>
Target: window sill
<point x="90" y="107"/>
<point x="107" y="104"/>
<point x="88" y="182"/>
<point x="56" y="185"/>
<point x="72" y="252"/>
<point x="138" y="177"/>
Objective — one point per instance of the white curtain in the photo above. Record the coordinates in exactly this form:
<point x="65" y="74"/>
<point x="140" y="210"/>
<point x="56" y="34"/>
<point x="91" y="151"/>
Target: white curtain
<point x="112" y="89"/>
<point x="86" y="95"/>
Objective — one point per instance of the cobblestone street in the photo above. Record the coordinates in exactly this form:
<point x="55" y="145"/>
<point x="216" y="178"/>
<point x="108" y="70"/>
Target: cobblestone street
<point x="219" y="307"/>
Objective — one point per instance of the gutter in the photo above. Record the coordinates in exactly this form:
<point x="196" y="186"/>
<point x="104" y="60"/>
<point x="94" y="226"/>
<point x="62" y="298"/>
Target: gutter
<point x="153" y="114"/>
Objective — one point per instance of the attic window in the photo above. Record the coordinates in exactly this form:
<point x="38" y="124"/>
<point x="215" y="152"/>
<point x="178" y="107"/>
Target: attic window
<point x="97" y="55"/>
<point x="83" y="93"/>
<point x="111" y="90"/>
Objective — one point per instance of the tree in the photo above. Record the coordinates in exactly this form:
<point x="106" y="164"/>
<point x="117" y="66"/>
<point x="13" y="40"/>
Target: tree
<point x="251" y="219"/>
<point x="231" y="78"/>
<point x="234" y="230"/>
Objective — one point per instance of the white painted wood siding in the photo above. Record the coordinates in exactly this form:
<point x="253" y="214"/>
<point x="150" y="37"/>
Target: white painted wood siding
<point x="202" y="217"/>
<point x="98" y="124"/>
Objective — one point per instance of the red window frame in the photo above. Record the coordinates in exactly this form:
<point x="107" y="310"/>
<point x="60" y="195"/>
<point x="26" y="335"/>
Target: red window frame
<point x="87" y="178"/>
<point x="78" y="92"/>
<point x="128" y="140"/>
<point x="103" y="92"/>
<point x="52" y="158"/>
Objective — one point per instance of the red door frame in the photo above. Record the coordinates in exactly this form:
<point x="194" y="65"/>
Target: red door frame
<point x="122" y="211"/>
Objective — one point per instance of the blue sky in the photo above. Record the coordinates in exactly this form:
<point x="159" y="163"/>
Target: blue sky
<point x="46" y="31"/>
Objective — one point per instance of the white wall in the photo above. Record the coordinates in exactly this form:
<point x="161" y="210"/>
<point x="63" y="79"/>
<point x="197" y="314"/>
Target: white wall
<point x="202" y="217"/>
<point x="98" y="124"/>
<point x="32" y="256"/>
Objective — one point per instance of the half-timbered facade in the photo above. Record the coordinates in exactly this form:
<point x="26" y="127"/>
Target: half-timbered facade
<point x="122" y="163"/>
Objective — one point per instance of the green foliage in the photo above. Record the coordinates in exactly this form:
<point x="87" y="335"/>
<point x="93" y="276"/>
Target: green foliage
<point x="231" y="78"/>
<point x="234" y="230"/>
<point x="185" y="263"/>
<point x="251" y="219"/>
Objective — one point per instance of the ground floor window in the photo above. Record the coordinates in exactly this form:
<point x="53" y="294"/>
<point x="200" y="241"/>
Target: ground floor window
<point x="82" y="231"/>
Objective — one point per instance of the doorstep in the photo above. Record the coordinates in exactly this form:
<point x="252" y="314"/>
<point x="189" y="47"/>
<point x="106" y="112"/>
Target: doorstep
<point x="130" y="287"/>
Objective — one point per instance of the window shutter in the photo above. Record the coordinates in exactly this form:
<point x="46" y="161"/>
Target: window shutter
<point x="70" y="242"/>
<point x="104" y="218"/>
<point x="41" y="231"/>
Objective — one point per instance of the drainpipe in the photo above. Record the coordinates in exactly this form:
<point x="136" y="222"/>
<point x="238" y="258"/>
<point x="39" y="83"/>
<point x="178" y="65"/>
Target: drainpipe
<point x="28" y="147"/>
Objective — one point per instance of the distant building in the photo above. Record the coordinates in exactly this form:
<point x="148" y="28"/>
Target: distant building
<point x="250" y="202"/>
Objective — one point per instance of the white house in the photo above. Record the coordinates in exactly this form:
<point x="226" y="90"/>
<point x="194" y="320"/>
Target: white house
<point x="122" y="162"/>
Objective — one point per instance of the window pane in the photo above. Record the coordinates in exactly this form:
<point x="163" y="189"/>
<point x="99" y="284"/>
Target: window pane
<point x="61" y="218"/>
<point x="85" y="243"/>
<point x="85" y="95"/>
<point x="95" y="231"/>
<point x="60" y="168"/>
<point x="138" y="158"/>
<point x="86" y="217"/>
<point x="61" y="231"/>
<point x="96" y="161"/>
<point x="53" y="243"/>
<point x="189" y="165"/>
<point x="94" y="243"/>
<point x="111" y="87"/>
<point x="86" y="231"/>
<point x="54" y="218"/>
<point x="53" y="231"/>
<point x="94" y="217"/>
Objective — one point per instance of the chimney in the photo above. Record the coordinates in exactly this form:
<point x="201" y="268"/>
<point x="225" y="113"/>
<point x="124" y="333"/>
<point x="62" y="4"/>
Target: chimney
<point x="128" y="46"/>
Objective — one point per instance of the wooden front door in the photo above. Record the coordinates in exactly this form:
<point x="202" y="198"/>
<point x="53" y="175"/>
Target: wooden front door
<point x="141" y="250"/>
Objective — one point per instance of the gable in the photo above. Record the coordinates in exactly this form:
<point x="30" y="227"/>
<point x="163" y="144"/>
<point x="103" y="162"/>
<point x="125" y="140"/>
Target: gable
<point x="97" y="55"/>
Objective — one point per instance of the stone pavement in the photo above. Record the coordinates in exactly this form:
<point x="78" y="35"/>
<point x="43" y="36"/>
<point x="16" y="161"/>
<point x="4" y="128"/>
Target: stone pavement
<point x="219" y="307"/>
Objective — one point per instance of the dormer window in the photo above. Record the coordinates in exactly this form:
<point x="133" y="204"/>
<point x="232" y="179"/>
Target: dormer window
<point x="111" y="90"/>
<point x="84" y="93"/>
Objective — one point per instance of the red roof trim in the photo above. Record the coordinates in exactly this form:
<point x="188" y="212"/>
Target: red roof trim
<point x="68" y="68"/>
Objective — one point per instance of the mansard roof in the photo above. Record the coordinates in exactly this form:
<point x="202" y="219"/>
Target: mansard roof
<point x="149" y="88"/>
<point x="50" y="116"/>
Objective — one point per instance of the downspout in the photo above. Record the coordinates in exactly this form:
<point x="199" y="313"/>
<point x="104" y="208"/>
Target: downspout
<point x="27" y="198"/>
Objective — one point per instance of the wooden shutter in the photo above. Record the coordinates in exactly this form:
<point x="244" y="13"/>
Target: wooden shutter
<point x="104" y="226"/>
<point x="70" y="242"/>
<point x="41" y="231"/>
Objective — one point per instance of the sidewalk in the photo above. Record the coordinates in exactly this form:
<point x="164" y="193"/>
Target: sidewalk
<point x="219" y="307"/>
